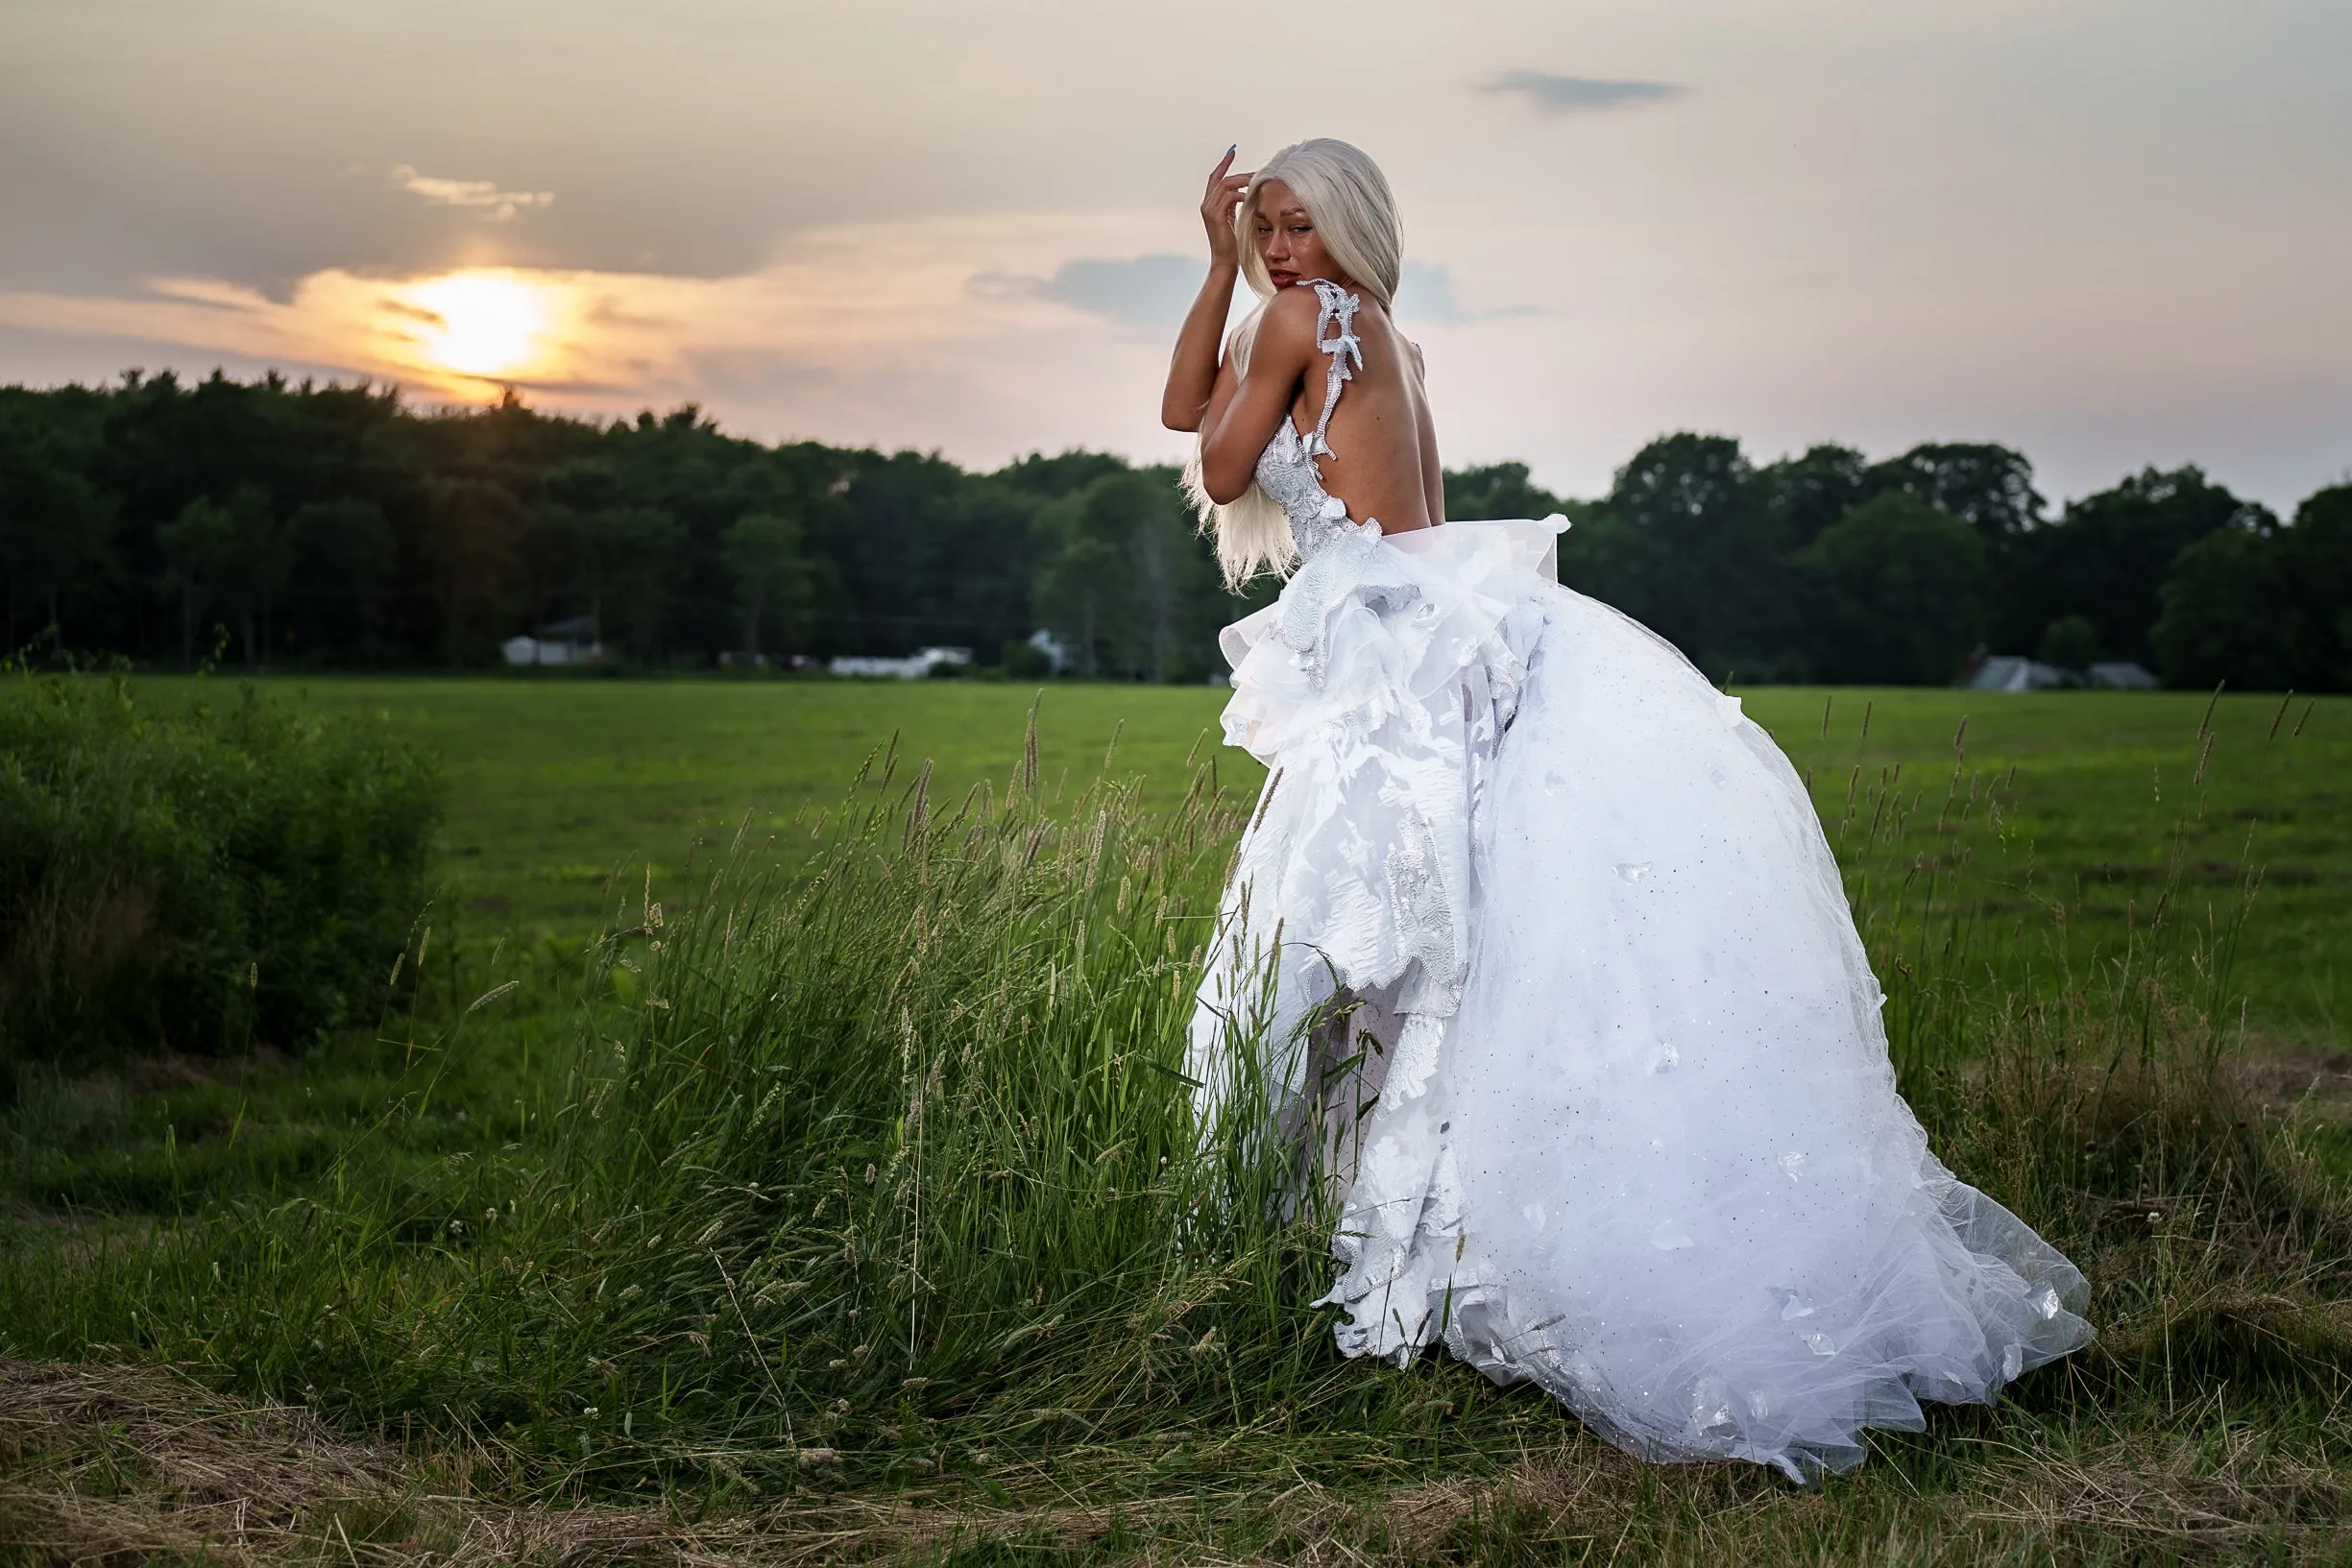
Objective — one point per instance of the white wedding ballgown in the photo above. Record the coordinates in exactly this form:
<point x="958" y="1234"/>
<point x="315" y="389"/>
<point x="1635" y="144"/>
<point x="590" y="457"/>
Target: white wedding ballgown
<point x="1636" y="1137"/>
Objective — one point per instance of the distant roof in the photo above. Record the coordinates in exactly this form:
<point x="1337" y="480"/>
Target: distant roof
<point x="2013" y="672"/>
<point x="2008" y="673"/>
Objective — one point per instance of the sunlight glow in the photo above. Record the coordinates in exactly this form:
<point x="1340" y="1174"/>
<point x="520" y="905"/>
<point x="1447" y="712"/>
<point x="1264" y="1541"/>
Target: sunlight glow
<point x="865" y="316"/>
<point x="481" y="323"/>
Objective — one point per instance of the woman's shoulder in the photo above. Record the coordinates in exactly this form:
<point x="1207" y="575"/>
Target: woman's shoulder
<point x="1294" y="309"/>
<point x="1287" y="327"/>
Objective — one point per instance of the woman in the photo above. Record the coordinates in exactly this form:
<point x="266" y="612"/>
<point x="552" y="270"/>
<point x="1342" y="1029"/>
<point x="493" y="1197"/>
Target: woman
<point x="1633" y="1134"/>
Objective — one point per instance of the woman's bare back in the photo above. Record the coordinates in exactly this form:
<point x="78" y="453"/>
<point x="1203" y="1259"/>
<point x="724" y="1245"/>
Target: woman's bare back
<point x="1383" y="459"/>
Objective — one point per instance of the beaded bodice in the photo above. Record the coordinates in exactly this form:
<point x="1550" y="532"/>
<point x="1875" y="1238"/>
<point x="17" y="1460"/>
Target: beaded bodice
<point x="1286" y="468"/>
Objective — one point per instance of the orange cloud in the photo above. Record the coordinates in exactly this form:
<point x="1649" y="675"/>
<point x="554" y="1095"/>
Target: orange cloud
<point x="850" y="301"/>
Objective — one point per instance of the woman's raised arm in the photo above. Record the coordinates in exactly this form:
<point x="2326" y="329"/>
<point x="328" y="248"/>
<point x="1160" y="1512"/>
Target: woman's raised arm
<point x="1192" y="372"/>
<point x="1246" y="410"/>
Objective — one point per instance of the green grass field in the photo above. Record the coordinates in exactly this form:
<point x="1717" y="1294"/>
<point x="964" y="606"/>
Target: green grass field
<point x="556" y="784"/>
<point x="797" y="1218"/>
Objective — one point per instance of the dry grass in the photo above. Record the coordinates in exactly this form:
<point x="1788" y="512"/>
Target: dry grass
<point x="103" y="1464"/>
<point x="114" y="1464"/>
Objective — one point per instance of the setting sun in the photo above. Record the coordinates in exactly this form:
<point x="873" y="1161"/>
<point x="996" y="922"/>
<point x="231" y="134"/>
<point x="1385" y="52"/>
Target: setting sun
<point x="480" y="324"/>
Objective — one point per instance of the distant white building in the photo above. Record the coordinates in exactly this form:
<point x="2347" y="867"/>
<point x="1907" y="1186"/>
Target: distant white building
<point x="571" y="642"/>
<point x="2004" y="672"/>
<point x="915" y="668"/>
<point x="2007" y="672"/>
<point x="2124" y="675"/>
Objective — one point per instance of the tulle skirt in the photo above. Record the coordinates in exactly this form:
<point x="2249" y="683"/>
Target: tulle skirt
<point x="1630" y="1131"/>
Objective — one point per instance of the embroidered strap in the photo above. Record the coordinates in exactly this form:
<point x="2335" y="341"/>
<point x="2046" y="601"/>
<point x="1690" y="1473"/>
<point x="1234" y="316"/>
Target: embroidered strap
<point x="1336" y="305"/>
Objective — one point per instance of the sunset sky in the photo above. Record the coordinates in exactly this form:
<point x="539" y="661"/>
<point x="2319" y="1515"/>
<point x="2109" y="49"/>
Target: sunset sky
<point x="2111" y="233"/>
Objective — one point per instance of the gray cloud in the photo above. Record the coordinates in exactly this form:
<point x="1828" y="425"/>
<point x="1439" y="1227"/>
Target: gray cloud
<point x="1153" y="292"/>
<point x="1579" y="94"/>
<point x="1428" y="292"/>
<point x="1147" y="291"/>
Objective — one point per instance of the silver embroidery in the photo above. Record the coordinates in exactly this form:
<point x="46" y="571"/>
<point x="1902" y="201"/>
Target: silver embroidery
<point x="1333" y="303"/>
<point x="1286" y="469"/>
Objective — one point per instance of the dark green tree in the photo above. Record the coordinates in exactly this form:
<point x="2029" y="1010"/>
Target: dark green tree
<point x="2108" y="557"/>
<point x="56" y="527"/>
<point x="926" y="554"/>
<point x="2314" y="555"/>
<point x="1499" y="490"/>
<point x="765" y="555"/>
<point x="639" y="547"/>
<point x="475" y="545"/>
<point x="1123" y="580"/>
<point x="2069" y="644"/>
<point x="1986" y="486"/>
<point x="1709" y="578"/>
<point x="1608" y="558"/>
<point x="1897" y="593"/>
<point x="2222" y="618"/>
<point x="1803" y="495"/>
<point x="232" y="559"/>
<point x="343" y="561"/>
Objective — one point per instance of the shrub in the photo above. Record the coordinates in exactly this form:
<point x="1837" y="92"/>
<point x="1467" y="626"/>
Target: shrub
<point x="197" y="881"/>
<point x="2070" y="642"/>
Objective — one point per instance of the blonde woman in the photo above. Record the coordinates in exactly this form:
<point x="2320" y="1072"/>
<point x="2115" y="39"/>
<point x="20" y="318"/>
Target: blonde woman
<point x="1633" y="1134"/>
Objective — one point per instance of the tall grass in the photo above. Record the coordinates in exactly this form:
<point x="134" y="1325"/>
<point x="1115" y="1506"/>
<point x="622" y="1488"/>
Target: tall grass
<point x="874" y="1166"/>
<point x="909" y="1141"/>
<point x="857" y="1161"/>
<point x="1934" y="868"/>
<point x="200" y="881"/>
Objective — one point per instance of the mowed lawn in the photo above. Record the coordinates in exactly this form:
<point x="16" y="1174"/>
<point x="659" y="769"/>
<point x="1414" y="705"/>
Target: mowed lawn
<point x="555" y="785"/>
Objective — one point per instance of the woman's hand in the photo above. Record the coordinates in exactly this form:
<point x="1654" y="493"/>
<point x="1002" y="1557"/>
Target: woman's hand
<point x="1194" y="371"/>
<point x="1217" y="206"/>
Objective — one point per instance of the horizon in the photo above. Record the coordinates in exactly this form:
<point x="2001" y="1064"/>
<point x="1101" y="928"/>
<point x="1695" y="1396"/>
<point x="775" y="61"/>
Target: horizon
<point x="2101" y="233"/>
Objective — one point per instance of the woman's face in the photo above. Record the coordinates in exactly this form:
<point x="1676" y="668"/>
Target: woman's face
<point x="1288" y="240"/>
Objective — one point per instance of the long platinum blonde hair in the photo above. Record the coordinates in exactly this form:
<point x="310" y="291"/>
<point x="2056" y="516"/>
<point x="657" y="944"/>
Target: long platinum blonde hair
<point x="1355" y="213"/>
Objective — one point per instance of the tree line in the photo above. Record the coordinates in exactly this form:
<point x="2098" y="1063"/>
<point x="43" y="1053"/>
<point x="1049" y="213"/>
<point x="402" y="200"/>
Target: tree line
<point x="303" y="525"/>
<point x="1828" y="567"/>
